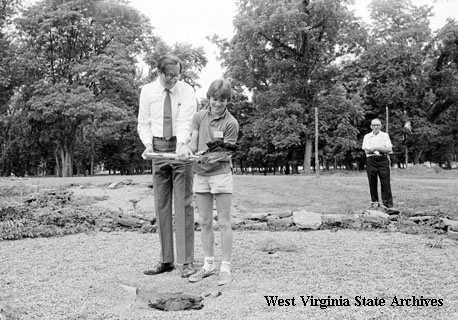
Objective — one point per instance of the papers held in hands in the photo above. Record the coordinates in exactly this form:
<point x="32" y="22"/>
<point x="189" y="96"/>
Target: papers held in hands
<point x="211" y="157"/>
<point x="154" y="155"/>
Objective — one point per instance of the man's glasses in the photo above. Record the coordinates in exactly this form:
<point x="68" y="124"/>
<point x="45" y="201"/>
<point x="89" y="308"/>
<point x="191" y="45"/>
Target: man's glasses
<point x="171" y="76"/>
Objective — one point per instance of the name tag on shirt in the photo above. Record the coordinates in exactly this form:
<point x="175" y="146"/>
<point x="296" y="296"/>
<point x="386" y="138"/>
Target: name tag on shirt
<point x="218" y="134"/>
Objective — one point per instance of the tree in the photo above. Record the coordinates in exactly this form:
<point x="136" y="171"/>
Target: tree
<point x="281" y="51"/>
<point x="192" y="58"/>
<point x="396" y="65"/>
<point x="341" y="113"/>
<point x="83" y="67"/>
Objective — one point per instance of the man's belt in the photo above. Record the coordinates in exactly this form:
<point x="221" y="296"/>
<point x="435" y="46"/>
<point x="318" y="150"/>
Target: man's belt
<point x="376" y="155"/>
<point x="164" y="139"/>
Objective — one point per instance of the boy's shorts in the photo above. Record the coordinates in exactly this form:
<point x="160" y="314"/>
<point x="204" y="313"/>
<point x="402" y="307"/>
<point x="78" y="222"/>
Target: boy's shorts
<point x="220" y="183"/>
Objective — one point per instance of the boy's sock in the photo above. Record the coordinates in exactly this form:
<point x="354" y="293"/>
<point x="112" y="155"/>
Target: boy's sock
<point x="226" y="267"/>
<point x="209" y="263"/>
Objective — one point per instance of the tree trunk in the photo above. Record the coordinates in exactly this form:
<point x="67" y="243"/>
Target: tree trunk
<point x="308" y="156"/>
<point x="65" y="165"/>
<point x="57" y="169"/>
<point x="63" y="172"/>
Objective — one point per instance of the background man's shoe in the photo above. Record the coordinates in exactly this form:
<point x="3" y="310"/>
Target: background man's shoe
<point x="160" y="268"/>
<point x="188" y="269"/>
<point x="392" y="211"/>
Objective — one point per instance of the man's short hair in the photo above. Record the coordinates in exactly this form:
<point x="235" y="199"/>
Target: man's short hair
<point x="167" y="60"/>
<point x="376" y="119"/>
<point x="220" y="89"/>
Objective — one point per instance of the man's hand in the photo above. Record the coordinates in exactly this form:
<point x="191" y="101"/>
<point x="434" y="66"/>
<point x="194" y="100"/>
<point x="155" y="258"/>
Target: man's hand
<point x="149" y="149"/>
<point x="183" y="152"/>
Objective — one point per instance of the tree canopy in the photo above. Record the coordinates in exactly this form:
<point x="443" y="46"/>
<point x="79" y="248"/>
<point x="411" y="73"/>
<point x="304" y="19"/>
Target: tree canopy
<point x="71" y="73"/>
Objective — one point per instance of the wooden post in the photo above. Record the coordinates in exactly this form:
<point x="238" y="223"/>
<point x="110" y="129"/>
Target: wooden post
<point x="407" y="151"/>
<point x="386" y="108"/>
<point x="317" y="161"/>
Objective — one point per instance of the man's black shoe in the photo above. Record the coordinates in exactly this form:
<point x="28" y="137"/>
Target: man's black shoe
<point x="392" y="211"/>
<point x="188" y="269"/>
<point x="160" y="268"/>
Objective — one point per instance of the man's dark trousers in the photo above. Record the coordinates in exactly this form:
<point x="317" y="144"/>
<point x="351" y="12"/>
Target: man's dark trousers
<point x="379" y="167"/>
<point x="174" y="177"/>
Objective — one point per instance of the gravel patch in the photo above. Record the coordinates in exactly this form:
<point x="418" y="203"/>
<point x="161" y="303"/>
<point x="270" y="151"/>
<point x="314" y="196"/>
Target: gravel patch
<point x="81" y="276"/>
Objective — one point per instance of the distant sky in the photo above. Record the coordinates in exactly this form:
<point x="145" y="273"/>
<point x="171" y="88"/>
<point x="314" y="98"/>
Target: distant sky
<point x="192" y="21"/>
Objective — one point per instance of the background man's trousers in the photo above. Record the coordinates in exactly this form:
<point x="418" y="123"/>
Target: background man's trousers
<point x="379" y="167"/>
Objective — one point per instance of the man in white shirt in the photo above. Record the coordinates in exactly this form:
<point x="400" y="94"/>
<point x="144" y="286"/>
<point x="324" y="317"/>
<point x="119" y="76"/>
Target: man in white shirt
<point x="167" y="106"/>
<point x="377" y="145"/>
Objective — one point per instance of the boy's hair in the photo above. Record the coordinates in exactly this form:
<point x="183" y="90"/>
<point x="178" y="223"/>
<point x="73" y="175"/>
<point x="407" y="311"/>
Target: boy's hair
<point x="166" y="60"/>
<point x="220" y="89"/>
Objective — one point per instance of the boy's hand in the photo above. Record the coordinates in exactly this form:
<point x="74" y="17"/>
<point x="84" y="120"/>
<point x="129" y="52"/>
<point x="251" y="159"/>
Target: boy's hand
<point x="183" y="152"/>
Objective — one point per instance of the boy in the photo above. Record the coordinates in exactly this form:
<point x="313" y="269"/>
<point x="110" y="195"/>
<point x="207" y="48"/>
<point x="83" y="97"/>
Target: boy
<point x="214" y="180"/>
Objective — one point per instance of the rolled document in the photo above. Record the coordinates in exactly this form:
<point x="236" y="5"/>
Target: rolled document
<point x="155" y="155"/>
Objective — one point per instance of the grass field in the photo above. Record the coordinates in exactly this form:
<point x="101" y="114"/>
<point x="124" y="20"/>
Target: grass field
<point x="81" y="276"/>
<point x="415" y="189"/>
<point x="337" y="193"/>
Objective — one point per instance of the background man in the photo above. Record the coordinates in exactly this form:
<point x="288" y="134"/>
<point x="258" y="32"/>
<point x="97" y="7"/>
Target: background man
<point x="377" y="145"/>
<point x="167" y="106"/>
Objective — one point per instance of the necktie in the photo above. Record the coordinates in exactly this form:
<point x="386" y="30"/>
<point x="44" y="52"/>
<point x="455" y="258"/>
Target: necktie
<point x="167" y="124"/>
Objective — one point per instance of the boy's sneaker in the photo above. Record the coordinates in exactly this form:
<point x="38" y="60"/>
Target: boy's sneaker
<point x="224" y="278"/>
<point x="199" y="275"/>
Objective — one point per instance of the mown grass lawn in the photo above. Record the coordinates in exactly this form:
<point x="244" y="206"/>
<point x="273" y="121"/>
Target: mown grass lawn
<point x="415" y="190"/>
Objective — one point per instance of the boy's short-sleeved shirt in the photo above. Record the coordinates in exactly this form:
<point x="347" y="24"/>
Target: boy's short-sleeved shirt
<point x="224" y="128"/>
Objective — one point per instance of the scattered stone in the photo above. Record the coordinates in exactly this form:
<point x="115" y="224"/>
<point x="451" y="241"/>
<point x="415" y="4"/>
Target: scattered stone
<point x="374" y="221"/>
<point x="258" y="226"/>
<point x="375" y="214"/>
<point x="452" y="234"/>
<point x="211" y="294"/>
<point x="258" y="217"/>
<point x="237" y="223"/>
<point x="114" y="185"/>
<point x="406" y="223"/>
<point x="419" y="213"/>
<point x="280" y="224"/>
<point x="444" y="223"/>
<point x="285" y="214"/>
<point x="128" y="221"/>
<point x="307" y="220"/>
<point x="421" y="218"/>
<point x="338" y="220"/>
<point x="392" y="227"/>
<point x="104" y="222"/>
<point x="148" y="227"/>
<point x="272" y="216"/>
<point x="32" y="197"/>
